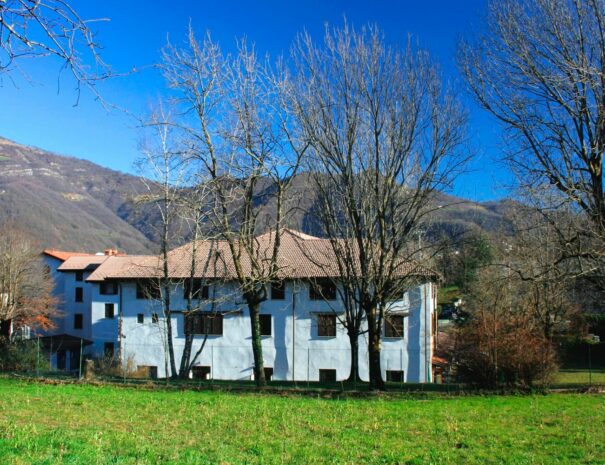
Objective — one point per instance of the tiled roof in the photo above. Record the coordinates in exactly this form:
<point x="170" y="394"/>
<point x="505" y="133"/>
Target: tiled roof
<point x="127" y="267"/>
<point x="300" y="256"/>
<point x="62" y="254"/>
<point x="82" y="262"/>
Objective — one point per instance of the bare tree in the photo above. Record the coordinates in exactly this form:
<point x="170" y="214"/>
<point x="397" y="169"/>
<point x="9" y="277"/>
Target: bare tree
<point x="232" y="109"/>
<point x="538" y="67"/>
<point x="32" y="28"/>
<point x="26" y="286"/>
<point x="385" y="135"/>
<point x="162" y="163"/>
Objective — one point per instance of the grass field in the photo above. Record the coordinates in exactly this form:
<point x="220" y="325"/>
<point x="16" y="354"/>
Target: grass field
<point x="83" y="424"/>
<point x="579" y="377"/>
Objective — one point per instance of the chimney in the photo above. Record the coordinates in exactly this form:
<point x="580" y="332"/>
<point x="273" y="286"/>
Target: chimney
<point x="111" y="252"/>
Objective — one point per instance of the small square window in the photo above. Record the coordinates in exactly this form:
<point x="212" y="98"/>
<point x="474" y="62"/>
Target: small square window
<point x="326" y="325"/>
<point x="322" y="289"/>
<point x="140" y="318"/>
<point x="393" y="326"/>
<point x="199" y="291"/>
<point x="109" y="310"/>
<point x="79" y="276"/>
<point x="79" y="297"/>
<point x="201" y="372"/>
<point x="265" y="325"/>
<point x="395" y="376"/>
<point x="327" y="376"/>
<point x="155" y="318"/>
<point x="278" y="291"/>
<point x="148" y="289"/>
<point x="78" y="321"/>
<point x="108" y="349"/>
<point x="108" y="288"/>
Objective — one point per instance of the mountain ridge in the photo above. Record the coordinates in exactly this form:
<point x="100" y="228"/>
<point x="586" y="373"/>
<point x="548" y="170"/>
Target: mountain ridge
<point x="71" y="203"/>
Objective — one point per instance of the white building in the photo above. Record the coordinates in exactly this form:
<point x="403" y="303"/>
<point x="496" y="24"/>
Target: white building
<point x="302" y="337"/>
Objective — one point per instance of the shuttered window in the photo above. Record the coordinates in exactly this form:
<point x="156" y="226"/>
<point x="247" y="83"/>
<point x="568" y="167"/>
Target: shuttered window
<point x="326" y="325"/>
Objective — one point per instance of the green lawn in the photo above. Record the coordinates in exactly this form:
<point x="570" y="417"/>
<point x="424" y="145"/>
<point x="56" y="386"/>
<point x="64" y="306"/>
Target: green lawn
<point x="83" y="424"/>
<point x="579" y="377"/>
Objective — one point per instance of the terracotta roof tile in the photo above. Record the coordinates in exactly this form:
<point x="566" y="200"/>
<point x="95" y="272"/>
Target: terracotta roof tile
<point x="81" y="263"/>
<point x="300" y="256"/>
<point x="62" y="254"/>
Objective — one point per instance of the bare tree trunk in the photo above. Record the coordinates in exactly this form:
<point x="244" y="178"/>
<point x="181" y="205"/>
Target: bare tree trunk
<point x="374" y="336"/>
<point x="257" y="348"/>
<point x="167" y="309"/>
<point x="354" y="343"/>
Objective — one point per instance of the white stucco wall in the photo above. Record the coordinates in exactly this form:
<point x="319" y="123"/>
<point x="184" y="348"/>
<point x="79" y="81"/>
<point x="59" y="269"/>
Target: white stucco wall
<point x="294" y="350"/>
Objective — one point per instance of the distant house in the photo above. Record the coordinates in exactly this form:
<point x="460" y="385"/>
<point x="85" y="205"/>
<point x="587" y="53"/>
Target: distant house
<point x="112" y="306"/>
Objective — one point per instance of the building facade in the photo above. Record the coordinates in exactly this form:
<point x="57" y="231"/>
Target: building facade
<point x="302" y="335"/>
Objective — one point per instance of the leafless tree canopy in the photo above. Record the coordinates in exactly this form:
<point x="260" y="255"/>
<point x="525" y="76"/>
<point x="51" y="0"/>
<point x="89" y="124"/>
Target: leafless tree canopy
<point x="32" y="28"/>
<point x="539" y="69"/>
<point x="25" y="285"/>
<point x="240" y="142"/>
<point x="385" y="134"/>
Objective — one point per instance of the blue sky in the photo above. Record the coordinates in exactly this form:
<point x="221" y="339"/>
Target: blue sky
<point x="36" y="112"/>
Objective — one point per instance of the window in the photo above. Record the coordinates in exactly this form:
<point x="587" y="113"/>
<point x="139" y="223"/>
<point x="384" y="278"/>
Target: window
<point x="79" y="276"/>
<point x="322" y="289"/>
<point x="108" y="288"/>
<point x="278" y="291"/>
<point x="109" y="310"/>
<point x="140" y="318"/>
<point x="268" y="373"/>
<point x="108" y="349"/>
<point x="395" y="376"/>
<point x="326" y="325"/>
<point x="201" y="372"/>
<point x="148" y="289"/>
<point x="148" y="371"/>
<point x="79" y="294"/>
<point x="327" y="376"/>
<point x="198" y="291"/>
<point x="78" y="321"/>
<point x="393" y="326"/>
<point x="204" y="323"/>
<point x="265" y="325"/>
<point x="155" y="318"/>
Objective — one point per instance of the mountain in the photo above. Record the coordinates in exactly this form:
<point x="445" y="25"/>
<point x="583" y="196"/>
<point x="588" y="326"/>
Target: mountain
<point x="66" y="202"/>
<point x="74" y="204"/>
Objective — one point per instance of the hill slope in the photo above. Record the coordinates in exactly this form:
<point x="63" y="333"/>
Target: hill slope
<point x="66" y="202"/>
<point x="70" y="203"/>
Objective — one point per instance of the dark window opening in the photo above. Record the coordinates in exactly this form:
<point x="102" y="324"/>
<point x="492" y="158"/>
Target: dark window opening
<point x="201" y="372"/>
<point x="109" y="310"/>
<point x="148" y="371"/>
<point x="79" y="276"/>
<point x="393" y="326"/>
<point x="204" y="323"/>
<point x="395" y="376"/>
<point x="148" y="289"/>
<point x="198" y="290"/>
<point x="326" y="325"/>
<point x="108" y="288"/>
<point x="140" y="318"/>
<point x="268" y="373"/>
<point x="108" y="349"/>
<point x="78" y="321"/>
<point x="155" y="318"/>
<point x="79" y="294"/>
<point x="278" y="291"/>
<point x="322" y="289"/>
<point x="265" y="325"/>
<point x="327" y="376"/>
